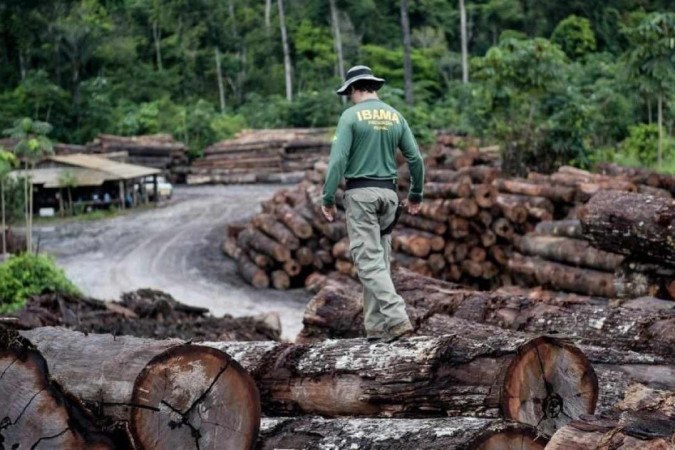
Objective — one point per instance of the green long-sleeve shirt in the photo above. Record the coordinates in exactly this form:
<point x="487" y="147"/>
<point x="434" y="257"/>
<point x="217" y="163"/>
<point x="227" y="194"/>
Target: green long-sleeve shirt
<point x="365" y="144"/>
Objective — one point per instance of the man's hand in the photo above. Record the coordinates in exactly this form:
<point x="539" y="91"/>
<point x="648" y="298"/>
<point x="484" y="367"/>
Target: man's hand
<point x="413" y="208"/>
<point x="329" y="212"/>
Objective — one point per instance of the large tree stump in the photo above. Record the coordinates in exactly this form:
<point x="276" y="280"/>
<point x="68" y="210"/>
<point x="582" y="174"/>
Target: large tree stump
<point x="639" y="225"/>
<point x="398" y="434"/>
<point x="167" y="393"/>
<point x="34" y="411"/>
<point x="479" y="371"/>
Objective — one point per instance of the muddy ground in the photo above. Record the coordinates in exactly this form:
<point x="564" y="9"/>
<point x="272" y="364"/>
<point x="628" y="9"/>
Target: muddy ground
<point x="173" y="248"/>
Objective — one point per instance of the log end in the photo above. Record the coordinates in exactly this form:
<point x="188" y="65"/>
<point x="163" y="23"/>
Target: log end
<point x="195" y="397"/>
<point x="548" y="384"/>
<point x="35" y="413"/>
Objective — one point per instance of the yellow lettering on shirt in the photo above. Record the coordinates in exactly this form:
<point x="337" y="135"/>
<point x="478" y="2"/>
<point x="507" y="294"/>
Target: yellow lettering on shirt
<point x="379" y="119"/>
<point x="367" y="114"/>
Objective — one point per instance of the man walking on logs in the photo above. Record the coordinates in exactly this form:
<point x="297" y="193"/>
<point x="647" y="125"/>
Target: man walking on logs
<point x="364" y="152"/>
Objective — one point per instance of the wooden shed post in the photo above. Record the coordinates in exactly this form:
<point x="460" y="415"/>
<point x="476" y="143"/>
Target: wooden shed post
<point x="155" y="188"/>
<point x="122" y="194"/>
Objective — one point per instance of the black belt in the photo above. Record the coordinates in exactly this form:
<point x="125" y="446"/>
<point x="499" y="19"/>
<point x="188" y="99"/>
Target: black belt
<point x="354" y="183"/>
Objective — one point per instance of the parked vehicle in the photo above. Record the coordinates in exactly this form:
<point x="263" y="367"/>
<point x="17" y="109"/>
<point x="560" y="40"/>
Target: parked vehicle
<point x="164" y="188"/>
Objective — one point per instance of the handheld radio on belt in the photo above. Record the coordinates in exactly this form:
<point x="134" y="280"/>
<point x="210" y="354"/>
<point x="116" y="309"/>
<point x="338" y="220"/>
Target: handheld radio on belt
<point x="390" y="228"/>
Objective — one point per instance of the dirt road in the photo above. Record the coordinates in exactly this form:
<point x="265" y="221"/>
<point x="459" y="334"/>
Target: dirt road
<point x="174" y="248"/>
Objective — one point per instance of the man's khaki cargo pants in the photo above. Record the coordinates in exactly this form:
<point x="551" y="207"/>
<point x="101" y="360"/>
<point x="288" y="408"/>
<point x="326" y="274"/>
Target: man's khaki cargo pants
<point x="370" y="210"/>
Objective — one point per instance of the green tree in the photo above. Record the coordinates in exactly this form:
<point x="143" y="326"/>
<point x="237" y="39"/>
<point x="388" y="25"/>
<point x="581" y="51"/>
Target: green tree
<point x="32" y="146"/>
<point x="651" y="61"/>
<point x="7" y="162"/>
<point x="518" y="76"/>
<point x="575" y="36"/>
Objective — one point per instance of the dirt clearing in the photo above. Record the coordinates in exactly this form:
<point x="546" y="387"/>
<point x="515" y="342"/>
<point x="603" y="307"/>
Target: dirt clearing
<point x="174" y="248"/>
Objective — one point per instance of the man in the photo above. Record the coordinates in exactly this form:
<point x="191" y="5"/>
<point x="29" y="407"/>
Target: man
<point x="364" y="152"/>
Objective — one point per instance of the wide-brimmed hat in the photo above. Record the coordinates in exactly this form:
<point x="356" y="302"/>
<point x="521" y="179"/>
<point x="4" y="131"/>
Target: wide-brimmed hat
<point x="357" y="73"/>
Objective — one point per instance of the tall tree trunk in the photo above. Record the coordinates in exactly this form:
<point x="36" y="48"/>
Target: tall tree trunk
<point x="157" y="36"/>
<point x="649" y="111"/>
<point x="337" y="39"/>
<point x="465" y="52"/>
<point x="287" y="52"/>
<point x="30" y="209"/>
<point x="22" y="66"/>
<point x="219" y="73"/>
<point x="407" y="62"/>
<point x="660" y="122"/>
<point x="268" y="13"/>
<point x="2" y="205"/>
<point x="25" y="206"/>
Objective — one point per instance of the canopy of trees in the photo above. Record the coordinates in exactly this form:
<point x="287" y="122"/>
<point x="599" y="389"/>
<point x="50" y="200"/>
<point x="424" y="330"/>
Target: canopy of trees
<point x="568" y="80"/>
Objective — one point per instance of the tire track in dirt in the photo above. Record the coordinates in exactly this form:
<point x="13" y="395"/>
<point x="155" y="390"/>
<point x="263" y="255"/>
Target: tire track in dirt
<point x="174" y="248"/>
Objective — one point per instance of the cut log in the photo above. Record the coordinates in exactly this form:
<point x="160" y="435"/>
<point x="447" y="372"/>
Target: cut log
<point x="485" y="195"/>
<point x="502" y="228"/>
<point x="561" y="228"/>
<point x="529" y="381"/>
<point x="276" y="230"/>
<point x="35" y="413"/>
<point x="398" y="434"/>
<point x="280" y="280"/>
<point x="571" y="251"/>
<point x="459" y="227"/>
<point x="463" y="207"/>
<point x="251" y="273"/>
<point x="252" y="238"/>
<point x="538" y="272"/>
<point x="341" y="249"/>
<point x="304" y="256"/>
<point x="555" y="193"/>
<point x="421" y="223"/>
<point x="292" y="267"/>
<point x="633" y="279"/>
<point x="639" y="225"/>
<point x="512" y="209"/>
<point x="448" y="190"/>
<point x="410" y="242"/>
<point x="170" y="394"/>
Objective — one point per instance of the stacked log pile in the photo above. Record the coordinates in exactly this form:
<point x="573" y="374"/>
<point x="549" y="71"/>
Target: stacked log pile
<point x="261" y="155"/>
<point x="65" y="389"/>
<point x="142" y="313"/>
<point x="160" y="151"/>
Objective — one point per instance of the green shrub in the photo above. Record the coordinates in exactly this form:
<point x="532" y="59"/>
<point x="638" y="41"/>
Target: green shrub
<point x="25" y="275"/>
<point x="641" y="144"/>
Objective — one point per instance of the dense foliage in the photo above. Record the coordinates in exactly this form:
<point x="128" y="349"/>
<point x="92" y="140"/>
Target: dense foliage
<point x="561" y="79"/>
<point x="26" y="275"/>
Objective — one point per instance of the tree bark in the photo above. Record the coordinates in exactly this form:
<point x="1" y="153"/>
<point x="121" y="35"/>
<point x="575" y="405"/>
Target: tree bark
<point x="35" y="411"/>
<point x="425" y="376"/>
<point x="287" y="52"/>
<point x="631" y="224"/>
<point x="268" y="13"/>
<point x="555" y="193"/>
<point x="397" y="434"/>
<point x="299" y="226"/>
<point x="169" y="393"/>
<point x="465" y="44"/>
<point x="336" y="311"/>
<point x="407" y="61"/>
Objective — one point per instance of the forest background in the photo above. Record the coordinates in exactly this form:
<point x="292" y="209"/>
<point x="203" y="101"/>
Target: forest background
<point x="575" y="82"/>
